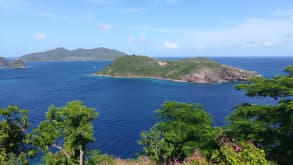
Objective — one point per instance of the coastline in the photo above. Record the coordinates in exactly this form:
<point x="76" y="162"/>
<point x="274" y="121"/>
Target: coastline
<point x="12" y="68"/>
<point x="159" y="78"/>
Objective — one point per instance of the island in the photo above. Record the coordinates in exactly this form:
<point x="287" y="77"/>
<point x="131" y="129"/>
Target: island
<point x="16" y="64"/>
<point x="3" y="62"/>
<point x="194" y="70"/>
<point x="62" y="54"/>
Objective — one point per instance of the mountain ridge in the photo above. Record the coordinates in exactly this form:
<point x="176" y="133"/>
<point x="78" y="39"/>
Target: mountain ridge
<point x="63" y="54"/>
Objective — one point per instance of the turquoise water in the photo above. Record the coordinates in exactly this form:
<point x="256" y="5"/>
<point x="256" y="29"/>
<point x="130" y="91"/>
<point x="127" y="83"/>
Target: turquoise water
<point x="125" y="106"/>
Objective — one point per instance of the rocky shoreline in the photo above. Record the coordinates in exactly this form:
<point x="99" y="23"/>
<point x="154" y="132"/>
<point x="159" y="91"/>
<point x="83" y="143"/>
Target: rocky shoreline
<point x="165" y="79"/>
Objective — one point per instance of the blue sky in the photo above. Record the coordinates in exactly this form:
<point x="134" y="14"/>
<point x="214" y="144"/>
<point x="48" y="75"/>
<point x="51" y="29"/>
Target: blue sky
<point x="149" y="27"/>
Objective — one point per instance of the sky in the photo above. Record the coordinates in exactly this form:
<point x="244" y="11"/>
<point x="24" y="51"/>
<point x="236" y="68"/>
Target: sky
<point x="158" y="28"/>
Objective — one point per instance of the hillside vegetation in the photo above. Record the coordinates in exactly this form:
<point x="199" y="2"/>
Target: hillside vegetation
<point x="62" y="54"/>
<point x="198" y="70"/>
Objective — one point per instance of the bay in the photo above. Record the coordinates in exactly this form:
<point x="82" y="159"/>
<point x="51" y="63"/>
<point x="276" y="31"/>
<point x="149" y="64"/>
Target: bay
<point x="126" y="106"/>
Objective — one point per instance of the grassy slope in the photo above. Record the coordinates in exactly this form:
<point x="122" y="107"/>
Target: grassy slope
<point x="145" y="66"/>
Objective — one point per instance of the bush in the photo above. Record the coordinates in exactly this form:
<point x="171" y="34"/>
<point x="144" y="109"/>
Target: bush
<point x="95" y="158"/>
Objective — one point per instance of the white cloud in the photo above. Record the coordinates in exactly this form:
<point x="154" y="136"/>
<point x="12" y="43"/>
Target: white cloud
<point x="137" y="39"/>
<point x="265" y="43"/>
<point x="169" y="45"/>
<point x="40" y="36"/>
<point x="269" y="43"/>
<point x="253" y="32"/>
<point x="104" y="26"/>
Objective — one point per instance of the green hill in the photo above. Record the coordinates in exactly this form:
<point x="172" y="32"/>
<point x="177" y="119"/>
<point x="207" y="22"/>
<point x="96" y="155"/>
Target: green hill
<point x="62" y="54"/>
<point x="197" y="70"/>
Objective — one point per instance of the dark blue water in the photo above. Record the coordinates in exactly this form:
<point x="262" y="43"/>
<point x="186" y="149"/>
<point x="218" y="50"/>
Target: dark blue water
<point x="125" y="106"/>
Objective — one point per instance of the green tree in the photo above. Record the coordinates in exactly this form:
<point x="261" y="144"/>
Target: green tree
<point x="267" y="126"/>
<point x="13" y="125"/>
<point x="155" y="146"/>
<point x="67" y="129"/>
<point x="182" y="129"/>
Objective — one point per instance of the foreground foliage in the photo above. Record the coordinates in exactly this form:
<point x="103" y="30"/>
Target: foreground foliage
<point x="183" y="128"/>
<point x="240" y="153"/>
<point x="13" y="125"/>
<point x="184" y="135"/>
<point x="67" y="129"/>
<point x="270" y="127"/>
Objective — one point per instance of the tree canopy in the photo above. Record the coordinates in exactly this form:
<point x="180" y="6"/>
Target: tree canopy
<point x="182" y="128"/>
<point x="267" y="126"/>
<point x="13" y="125"/>
<point x="67" y="129"/>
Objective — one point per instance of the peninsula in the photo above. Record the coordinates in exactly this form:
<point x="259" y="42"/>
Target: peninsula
<point x="194" y="70"/>
<point x="62" y="54"/>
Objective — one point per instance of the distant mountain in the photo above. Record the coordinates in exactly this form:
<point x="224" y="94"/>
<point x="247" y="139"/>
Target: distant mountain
<point x="196" y="70"/>
<point x="62" y="54"/>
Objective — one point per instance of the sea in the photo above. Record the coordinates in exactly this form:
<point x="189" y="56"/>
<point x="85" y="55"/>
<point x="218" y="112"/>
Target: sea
<point x="126" y="106"/>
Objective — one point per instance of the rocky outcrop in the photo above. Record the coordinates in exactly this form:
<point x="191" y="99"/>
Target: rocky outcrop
<point x="3" y="62"/>
<point x="225" y="74"/>
<point x="17" y="64"/>
<point x="13" y="65"/>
